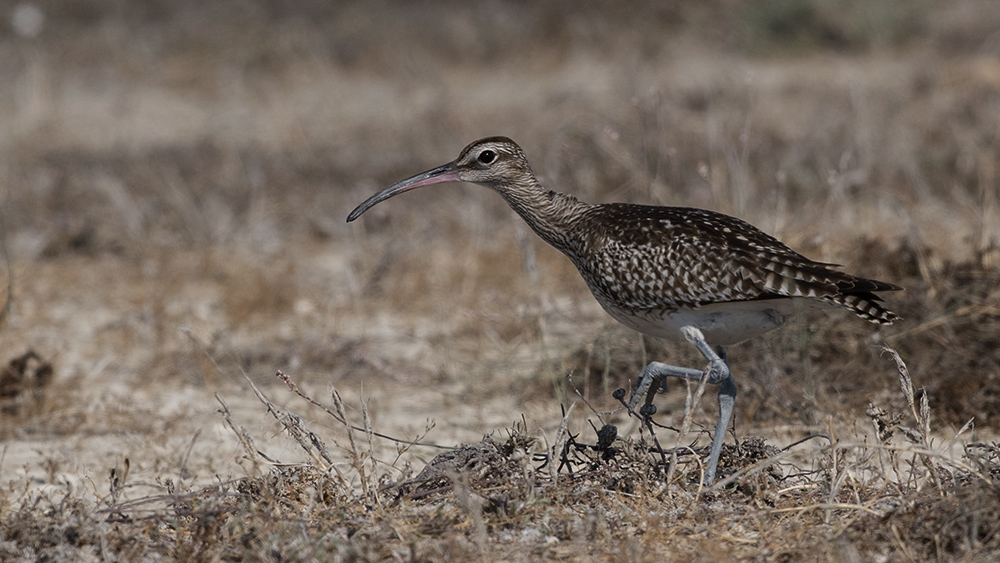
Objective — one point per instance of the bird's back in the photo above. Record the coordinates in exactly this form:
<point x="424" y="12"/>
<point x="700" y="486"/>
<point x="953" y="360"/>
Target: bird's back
<point x="646" y="260"/>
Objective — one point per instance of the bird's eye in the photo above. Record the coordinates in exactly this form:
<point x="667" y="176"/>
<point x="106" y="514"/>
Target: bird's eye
<point x="487" y="156"/>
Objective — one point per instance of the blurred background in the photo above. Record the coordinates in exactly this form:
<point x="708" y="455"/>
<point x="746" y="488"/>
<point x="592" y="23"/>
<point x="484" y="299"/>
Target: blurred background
<point x="175" y="176"/>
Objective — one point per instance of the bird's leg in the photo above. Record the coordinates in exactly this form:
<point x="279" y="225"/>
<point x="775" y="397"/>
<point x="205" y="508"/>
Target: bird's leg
<point x="657" y="372"/>
<point x="717" y="373"/>
<point x="727" y="397"/>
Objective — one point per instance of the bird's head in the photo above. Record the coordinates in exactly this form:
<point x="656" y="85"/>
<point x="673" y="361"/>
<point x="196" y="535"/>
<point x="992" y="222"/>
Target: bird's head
<point x="494" y="162"/>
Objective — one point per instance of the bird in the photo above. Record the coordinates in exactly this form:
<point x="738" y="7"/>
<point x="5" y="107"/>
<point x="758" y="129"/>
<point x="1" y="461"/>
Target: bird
<point x="678" y="273"/>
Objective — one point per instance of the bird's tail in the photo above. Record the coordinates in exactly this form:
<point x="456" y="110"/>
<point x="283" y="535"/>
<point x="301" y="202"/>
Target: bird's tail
<point x="859" y="296"/>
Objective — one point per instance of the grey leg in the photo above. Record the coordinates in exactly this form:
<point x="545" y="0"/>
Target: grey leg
<point x="657" y="372"/>
<point x="718" y="373"/>
<point x="727" y="398"/>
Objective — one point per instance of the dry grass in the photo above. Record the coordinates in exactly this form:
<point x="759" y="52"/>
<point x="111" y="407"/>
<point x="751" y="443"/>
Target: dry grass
<point x="173" y="184"/>
<point x="525" y="494"/>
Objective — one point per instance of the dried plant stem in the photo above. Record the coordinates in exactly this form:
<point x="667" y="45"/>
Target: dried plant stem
<point x="689" y="404"/>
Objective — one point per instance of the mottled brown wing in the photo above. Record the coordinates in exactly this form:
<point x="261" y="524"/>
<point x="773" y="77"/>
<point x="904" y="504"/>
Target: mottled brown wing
<point x="672" y="257"/>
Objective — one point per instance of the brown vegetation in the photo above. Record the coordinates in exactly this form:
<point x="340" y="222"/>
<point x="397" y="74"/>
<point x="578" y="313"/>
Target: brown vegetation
<point x="174" y="179"/>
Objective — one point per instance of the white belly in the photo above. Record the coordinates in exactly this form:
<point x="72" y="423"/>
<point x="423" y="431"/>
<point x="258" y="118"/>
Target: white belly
<point x="723" y="324"/>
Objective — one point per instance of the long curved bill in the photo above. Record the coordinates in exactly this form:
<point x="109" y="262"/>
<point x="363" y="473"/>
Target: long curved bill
<point x="441" y="174"/>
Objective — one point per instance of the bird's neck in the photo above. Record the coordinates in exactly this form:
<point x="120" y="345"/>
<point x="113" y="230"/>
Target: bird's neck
<point x="551" y="215"/>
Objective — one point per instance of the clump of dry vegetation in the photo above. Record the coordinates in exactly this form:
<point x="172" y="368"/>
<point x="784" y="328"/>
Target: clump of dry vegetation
<point x="23" y="382"/>
<point x="522" y="494"/>
<point x="173" y="182"/>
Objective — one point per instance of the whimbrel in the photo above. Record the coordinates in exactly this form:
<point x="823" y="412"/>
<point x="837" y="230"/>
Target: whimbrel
<point x="673" y="272"/>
